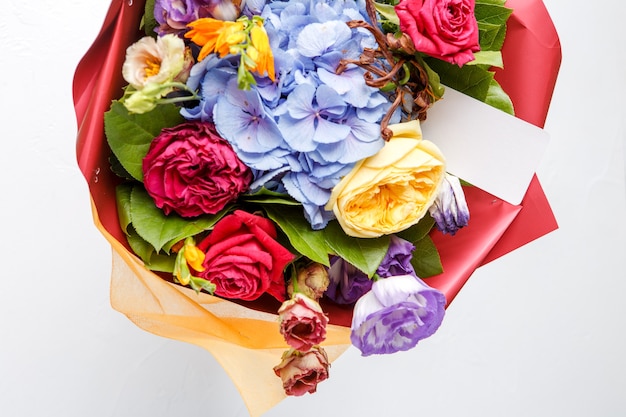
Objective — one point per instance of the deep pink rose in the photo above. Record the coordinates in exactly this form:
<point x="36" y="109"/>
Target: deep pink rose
<point x="191" y="170"/>
<point x="302" y="371"/>
<point x="243" y="258"/>
<point x="444" y="29"/>
<point x="302" y="322"/>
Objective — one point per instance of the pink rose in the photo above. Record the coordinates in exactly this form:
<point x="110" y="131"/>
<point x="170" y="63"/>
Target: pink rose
<point x="302" y="371"/>
<point x="243" y="258"/>
<point x="443" y="29"/>
<point x="190" y="170"/>
<point x="302" y="322"/>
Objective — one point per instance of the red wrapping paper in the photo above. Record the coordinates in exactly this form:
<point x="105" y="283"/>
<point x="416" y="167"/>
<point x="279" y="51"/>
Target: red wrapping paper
<point x="531" y="55"/>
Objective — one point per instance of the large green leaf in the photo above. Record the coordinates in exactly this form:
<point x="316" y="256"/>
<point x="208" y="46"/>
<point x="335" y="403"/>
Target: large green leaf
<point x="491" y="16"/>
<point x="434" y="80"/>
<point x="122" y="198"/>
<point x="388" y="12"/>
<point x="488" y="58"/>
<point x="163" y="231"/>
<point x="426" y="260"/>
<point x="364" y="254"/>
<point x="497" y="98"/>
<point x="419" y="230"/>
<point x="153" y="260"/>
<point x="149" y="20"/>
<point x="265" y="196"/>
<point x="129" y="135"/>
<point x="473" y="80"/>
<point x="492" y="12"/>
<point x="308" y="242"/>
<point x="491" y="36"/>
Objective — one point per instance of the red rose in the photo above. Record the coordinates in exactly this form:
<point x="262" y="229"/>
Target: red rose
<point x="243" y="259"/>
<point x="444" y="29"/>
<point x="302" y="322"/>
<point x="191" y="170"/>
<point x="302" y="371"/>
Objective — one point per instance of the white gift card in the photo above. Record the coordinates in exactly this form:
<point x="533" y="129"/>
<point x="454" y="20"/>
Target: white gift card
<point x="484" y="146"/>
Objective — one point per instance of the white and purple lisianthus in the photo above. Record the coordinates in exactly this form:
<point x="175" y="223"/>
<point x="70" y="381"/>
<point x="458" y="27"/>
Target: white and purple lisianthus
<point x="450" y="209"/>
<point x="395" y="315"/>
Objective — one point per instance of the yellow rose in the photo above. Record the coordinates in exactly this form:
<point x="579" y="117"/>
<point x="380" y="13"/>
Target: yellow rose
<point x="392" y="190"/>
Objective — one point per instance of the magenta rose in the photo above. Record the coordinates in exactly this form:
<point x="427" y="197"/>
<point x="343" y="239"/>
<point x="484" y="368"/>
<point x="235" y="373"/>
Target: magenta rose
<point x="302" y="322"/>
<point x="302" y="371"/>
<point x="443" y="29"/>
<point x="191" y="170"/>
<point x="243" y="258"/>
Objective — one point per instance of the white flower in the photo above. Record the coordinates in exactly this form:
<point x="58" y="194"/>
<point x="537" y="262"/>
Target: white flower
<point x="450" y="209"/>
<point x="150" y="61"/>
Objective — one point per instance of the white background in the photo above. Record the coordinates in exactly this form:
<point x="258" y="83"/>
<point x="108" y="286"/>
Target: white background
<point x="536" y="333"/>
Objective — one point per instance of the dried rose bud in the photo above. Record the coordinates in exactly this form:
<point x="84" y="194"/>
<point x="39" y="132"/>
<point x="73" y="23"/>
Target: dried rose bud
<point x="302" y="371"/>
<point x="311" y="281"/>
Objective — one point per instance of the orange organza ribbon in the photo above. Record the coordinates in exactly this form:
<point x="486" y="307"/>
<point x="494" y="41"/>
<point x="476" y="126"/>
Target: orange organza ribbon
<point x="245" y="339"/>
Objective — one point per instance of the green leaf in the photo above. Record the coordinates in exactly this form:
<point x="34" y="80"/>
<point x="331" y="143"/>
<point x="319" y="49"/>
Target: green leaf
<point x="153" y="260"/>
<point x="488" y="58"/>
<point x="163" y="231"/>
<point x="117" y="168"/>
<point x="141" y="248"/>
<point x="419" y="230"/>
<point x="122" y="198"/>
<point x="491" y="12"/>
<point x="491" y="16"/>
<point x="497" y="98"/>
<point x="434" y="81"/>
<point x="265" y="196"/>
<point x="388" y="12"/>
<point x="491" y="2"/>
<point x="426" y="261"/>
<point x="130" y="135"/>
<point x="491" y="37"/>
<point x="364" y="254"/>
<point x="149" y="20"/>
<point x="310" y="243"/>
<point x="473" y="80"/>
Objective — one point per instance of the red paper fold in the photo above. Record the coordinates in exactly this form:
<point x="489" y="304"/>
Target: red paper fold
<point x="532" y="57"/>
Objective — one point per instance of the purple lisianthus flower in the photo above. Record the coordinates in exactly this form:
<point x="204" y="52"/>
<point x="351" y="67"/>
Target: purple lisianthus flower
<point x="450" y="209"/>
<point x="395" y="315"/>
<point x="397" y="260"/>
<point x="348" y="284"/>
<point x="174" y="15"/>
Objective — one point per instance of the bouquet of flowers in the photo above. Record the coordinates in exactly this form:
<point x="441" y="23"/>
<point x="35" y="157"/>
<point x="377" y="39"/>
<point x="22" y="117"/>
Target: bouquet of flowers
<point x="264" y="181"/>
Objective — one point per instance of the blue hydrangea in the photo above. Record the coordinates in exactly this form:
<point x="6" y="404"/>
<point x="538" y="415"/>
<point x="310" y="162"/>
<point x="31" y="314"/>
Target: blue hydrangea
<point x="310" y="126"/>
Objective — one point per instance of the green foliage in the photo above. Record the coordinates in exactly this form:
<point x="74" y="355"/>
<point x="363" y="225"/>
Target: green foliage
<point x="265" y="196"/>
<point x="364" y="254"/>
<point x="149" y="21"/>
<point x="317" y="245"/>
<point x="419" y="230"/>
<point x="491" y="16"/>
<point x="387" y="12"/>
<point x="162" y="231"/>
<point x="496" y="97"/>
<point x="129" y="135"/>
<point x="472" y="80"/>
<point x="487" y="58"/>
<point x="310" y="243"/>
<point x="426" y="261"/>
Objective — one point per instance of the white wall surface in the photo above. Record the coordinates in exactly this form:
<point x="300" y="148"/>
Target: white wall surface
<point x="536" y="333"/>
